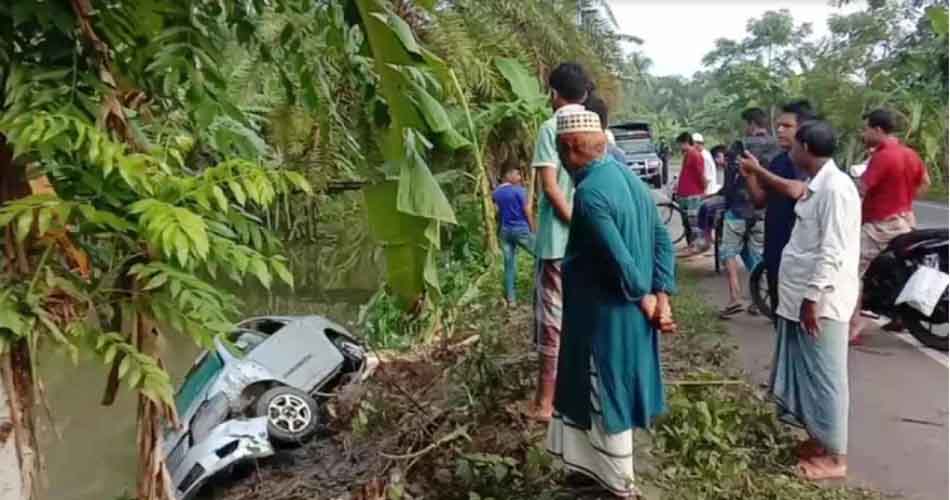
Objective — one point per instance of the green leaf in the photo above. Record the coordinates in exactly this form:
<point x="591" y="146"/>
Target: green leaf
<point x="110" y="354"/>
<point x="220" y="197"/>
<point x="299" y="181"/>
<point x="282" y="272"/>
<point x="259" y="269"/>
<point x="524" y="85"/>
<point x="238" y="192"/>
<point x="23" y="226"/>
<point x="157" y="281"/>
<point x="124" y="366"/>
<point x="44" y="219"/>
<point x="400" y="29"/>
<point x="939" y="19"/>
<point x="419" y="193"/>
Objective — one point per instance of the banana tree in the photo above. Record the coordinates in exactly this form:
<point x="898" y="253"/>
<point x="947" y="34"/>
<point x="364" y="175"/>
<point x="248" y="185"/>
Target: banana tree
<point x="407" y="208"/>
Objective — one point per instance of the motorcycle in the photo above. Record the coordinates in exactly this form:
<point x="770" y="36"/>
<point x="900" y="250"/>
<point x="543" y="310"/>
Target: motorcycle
<point x="889" y="273"/>
<point x="887" y="276"/>
<point x="884" y="280"/>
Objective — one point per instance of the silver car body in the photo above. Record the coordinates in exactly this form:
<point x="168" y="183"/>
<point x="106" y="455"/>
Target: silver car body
<point x="297" y="353"/>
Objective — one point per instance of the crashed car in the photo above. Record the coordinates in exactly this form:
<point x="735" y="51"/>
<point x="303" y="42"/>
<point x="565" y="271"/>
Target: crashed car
<point x="259" y="386"/>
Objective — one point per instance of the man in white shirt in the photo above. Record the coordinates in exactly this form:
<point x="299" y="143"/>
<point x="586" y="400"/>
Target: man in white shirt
<point x="818" y="290"/>
<point x="709" y="165"/>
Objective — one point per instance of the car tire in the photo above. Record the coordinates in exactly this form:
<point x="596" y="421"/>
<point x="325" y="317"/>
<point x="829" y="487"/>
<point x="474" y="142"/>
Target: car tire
<point x="291" y="414"/>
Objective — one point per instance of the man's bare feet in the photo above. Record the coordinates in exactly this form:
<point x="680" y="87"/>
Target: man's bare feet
<point x="533" y="411"/>
<point x="818" y="468"/>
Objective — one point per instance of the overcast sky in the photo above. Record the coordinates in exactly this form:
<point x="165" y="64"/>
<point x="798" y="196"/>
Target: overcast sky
<point x="678" y="33"/>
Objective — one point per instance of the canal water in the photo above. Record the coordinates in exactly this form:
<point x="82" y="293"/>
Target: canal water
<point x="91" y="455"/>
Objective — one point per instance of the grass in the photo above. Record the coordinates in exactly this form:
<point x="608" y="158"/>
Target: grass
<point x="449" y="413"/>
<point x="722" y="441"/>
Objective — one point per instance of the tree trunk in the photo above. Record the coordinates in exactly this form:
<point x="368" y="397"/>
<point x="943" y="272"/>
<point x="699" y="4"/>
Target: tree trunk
<point x="19" y="458"/>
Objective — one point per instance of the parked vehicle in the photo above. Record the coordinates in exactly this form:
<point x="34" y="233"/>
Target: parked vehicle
<point x="641" y="152"/>
<point x="885" y="279"/>
<point x="889" y="272"/>
<point x="259" y="384"/>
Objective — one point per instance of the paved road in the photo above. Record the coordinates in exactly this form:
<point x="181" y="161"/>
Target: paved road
<point x="931" y="214"/>
<point x="899" y="395"/>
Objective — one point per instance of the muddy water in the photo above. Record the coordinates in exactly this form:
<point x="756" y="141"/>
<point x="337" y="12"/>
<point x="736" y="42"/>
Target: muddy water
<point x="93" y="458"/>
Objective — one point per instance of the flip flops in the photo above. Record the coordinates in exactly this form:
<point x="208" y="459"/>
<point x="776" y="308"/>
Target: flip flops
<point x="731" y="310"/>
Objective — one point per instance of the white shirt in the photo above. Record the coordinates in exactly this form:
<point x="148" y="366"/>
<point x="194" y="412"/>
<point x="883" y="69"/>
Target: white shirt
<point x="820" y="262"/>
<point x="709" y="172"/>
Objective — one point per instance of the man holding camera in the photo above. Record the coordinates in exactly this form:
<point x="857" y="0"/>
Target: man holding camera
<point x="743" y="229"/>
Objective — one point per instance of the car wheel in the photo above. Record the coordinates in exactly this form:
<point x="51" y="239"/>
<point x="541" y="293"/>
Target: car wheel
<point x="291" y="414"/>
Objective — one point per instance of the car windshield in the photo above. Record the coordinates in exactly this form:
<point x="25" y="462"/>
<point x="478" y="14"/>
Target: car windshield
<point x="637" y="147"/>
<point x="199" y="376"/>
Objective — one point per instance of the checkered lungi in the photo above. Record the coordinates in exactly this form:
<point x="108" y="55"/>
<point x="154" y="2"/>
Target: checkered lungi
<point x="548" y="307"/>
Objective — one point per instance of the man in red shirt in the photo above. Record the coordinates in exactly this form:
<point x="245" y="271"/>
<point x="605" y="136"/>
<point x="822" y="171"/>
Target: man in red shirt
<point x="895" y="176"/>
<point x="692" y="181"/>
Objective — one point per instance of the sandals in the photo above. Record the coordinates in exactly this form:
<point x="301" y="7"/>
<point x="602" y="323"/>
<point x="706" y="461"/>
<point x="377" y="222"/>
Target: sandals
<point x="731" y="310"/>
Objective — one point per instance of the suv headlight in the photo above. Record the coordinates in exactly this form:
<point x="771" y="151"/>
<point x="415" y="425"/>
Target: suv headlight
<point x="654" y="163"/>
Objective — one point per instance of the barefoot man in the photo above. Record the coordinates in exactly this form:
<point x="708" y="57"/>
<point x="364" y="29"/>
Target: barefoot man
<point x="618" y="270"/>
<point x="818" y="289"/>
<point x="569" y="86"/>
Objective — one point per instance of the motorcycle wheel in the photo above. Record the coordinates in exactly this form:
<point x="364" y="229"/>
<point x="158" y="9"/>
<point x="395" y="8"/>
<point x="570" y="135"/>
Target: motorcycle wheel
<point x="759" y="289"/>
<point x="932" y="335"/>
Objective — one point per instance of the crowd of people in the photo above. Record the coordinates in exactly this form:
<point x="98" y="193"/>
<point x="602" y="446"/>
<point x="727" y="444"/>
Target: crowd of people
<point x="606" y="268"/>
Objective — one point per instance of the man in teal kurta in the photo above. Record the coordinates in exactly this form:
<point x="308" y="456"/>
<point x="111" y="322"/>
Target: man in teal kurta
<point x="618" y="272"/>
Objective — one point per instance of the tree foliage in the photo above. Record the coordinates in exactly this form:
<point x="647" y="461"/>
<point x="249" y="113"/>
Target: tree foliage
<point x="891" y="54"/>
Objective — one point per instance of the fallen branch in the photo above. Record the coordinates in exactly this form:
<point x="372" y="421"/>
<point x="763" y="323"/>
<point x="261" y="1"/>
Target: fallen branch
<point x="452" y="436"/>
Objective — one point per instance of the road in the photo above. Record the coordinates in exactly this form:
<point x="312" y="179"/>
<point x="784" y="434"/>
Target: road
<point x="931" y="214"/>
<point x="898" y="429"/>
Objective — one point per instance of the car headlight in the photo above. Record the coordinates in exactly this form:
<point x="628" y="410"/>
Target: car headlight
<point x="211" y="413"/>
<point x="654" y="163"/>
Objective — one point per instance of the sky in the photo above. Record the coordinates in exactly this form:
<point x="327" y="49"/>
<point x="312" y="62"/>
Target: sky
<point x="678" y="33"/>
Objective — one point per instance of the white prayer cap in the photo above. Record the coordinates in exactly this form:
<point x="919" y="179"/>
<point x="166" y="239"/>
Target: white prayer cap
<point x="570" y="122"/>
<point x="697" y="137"/>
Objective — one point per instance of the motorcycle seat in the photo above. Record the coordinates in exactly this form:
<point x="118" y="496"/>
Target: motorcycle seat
<point x="907" y="243"/>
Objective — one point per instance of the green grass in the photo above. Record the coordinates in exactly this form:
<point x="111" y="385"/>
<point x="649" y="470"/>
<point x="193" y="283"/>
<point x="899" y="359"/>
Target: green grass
<point x="721" y="441"/>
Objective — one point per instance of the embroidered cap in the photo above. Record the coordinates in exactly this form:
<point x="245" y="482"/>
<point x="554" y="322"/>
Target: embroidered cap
<point x="571" y="122"/>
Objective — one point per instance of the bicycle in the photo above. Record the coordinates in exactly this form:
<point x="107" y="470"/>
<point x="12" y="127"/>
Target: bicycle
<point x="667" y="209"/>
<point x="759" y="290"/>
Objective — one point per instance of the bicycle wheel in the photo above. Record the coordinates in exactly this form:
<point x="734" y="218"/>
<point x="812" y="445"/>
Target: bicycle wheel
<point x="666" y="210"/>
<point x="759" y="289"/>
<point x="676" y="228"/>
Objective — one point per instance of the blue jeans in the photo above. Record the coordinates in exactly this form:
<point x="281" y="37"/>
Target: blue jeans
<point x="511" y="239"/>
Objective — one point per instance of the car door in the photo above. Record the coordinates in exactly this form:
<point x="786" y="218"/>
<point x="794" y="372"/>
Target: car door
<point x="300" y="353"/>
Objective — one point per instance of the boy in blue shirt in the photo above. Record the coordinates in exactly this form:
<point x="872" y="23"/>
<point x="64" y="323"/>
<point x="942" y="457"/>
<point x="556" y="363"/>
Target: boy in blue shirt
<point x="517" y="226"/>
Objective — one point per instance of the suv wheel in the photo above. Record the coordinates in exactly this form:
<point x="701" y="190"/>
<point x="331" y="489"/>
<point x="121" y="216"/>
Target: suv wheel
<point x="291" y="414"/>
